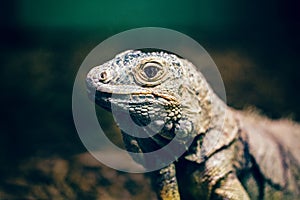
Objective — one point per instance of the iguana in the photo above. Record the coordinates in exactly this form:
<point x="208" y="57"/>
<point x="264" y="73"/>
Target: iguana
<point x="232" y="155"/>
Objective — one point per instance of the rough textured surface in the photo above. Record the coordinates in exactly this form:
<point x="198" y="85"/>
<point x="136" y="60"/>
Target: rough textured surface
<point x="82" y="177"/>
<point x="246" y="157"/>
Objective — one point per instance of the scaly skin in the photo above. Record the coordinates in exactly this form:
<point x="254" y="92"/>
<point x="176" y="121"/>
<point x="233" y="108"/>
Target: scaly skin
<point x="246" y="157"/>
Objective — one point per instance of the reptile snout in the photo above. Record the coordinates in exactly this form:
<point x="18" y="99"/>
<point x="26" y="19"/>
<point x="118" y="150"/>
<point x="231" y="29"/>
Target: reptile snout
<point x="102" y="75"/>
<point x="97" y="76"/>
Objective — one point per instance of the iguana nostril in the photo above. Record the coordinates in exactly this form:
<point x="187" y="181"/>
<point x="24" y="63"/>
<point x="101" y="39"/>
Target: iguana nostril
<point x="103" y="76"/>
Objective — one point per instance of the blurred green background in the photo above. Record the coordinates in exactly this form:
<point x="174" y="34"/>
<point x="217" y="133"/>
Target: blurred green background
<point x="255" y="44"/>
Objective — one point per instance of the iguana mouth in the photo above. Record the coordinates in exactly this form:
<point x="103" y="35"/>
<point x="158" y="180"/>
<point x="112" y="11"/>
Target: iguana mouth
<point x="138" y="106"/>
<point x="103" y="93"/>
<point x="117" y="89"/>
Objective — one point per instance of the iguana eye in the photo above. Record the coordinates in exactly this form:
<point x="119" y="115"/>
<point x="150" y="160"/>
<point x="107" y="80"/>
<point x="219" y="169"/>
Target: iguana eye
<point x="150" y="73"/>
<point x="151" y="69"/>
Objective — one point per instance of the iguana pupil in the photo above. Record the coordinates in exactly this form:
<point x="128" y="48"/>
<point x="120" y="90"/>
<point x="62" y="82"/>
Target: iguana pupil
<point x="151" y="71"/>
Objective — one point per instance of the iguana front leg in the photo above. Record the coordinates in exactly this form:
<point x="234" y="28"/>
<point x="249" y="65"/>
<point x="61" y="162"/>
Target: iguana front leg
<point x="230" y="188"/>
<point x="167" y="183"/>
<point x="164" y="178"/>
<point x="220" y="178"/>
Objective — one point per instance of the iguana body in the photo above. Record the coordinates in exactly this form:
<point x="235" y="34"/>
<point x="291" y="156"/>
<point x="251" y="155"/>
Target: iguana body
<point x="233" y="155"/>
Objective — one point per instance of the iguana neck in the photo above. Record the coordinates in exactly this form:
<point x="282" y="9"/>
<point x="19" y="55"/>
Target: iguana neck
<point x="212" y="120"/>
<point x="201" y="105"/>
<point x="216" y="126"/>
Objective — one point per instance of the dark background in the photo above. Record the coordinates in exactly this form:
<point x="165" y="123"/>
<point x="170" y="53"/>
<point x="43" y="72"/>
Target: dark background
<point x="255" y="45"/>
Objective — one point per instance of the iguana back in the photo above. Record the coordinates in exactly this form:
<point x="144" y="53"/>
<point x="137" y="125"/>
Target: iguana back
<point x="274" y="148"/>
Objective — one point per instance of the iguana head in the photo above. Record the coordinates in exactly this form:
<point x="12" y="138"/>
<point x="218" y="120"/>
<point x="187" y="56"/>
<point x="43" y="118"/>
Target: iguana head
<point x="156" y="87"/>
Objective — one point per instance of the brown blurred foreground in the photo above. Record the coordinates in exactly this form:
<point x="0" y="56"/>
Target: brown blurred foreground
<point x="81" y="177"/>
